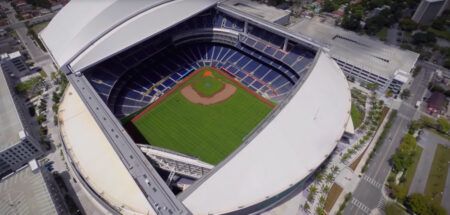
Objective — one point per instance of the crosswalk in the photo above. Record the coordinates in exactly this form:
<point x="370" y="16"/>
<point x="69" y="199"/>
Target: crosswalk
<point x="361" y="206"/>
<point x="372" y="181"/>
<point x="381" y="203"/>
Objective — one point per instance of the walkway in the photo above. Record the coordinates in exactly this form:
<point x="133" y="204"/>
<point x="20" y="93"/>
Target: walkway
<point x="428" y="143"/>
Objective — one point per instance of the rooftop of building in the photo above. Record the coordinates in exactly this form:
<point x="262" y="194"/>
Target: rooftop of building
<point x="437" y="100"/>
<point x="25" y="192"/>
<point x="362" y="51"/>
<point x="263" y="11"/>
<point x="11" y="124"/>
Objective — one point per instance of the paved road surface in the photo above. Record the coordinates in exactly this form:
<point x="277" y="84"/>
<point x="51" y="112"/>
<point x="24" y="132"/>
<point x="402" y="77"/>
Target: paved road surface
<point x="368" y="194"/>
<point x="22" y="32"/>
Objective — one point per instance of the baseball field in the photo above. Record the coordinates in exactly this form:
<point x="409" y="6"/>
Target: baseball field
<point x="207" y="116"/>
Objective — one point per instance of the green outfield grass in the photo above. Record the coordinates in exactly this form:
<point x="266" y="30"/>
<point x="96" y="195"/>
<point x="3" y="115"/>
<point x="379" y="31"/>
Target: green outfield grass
<point x="208" y="132"/>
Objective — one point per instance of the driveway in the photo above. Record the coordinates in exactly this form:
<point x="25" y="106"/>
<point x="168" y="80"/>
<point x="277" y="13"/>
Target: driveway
<point x="429" y="143"/>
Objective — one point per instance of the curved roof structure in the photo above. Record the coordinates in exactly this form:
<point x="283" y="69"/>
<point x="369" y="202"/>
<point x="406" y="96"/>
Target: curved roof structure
<point x="284" y="150"/>
<point x="108" y="26"/>
<point x="95" y="158"/>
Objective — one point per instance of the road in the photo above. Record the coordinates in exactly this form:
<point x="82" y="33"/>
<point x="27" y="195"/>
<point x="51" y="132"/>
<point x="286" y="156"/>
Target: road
<point x="368" y="195"/>
<point x="21" y="29"/>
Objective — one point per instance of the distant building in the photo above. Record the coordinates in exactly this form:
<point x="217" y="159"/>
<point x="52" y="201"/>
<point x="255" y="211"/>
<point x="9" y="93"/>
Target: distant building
<point x="437" y="103"/>
<point x="28" y="192"/>
<point x="13" y="63"/>
<point x="16" y="147"/>
<point x="269" y="13"/>
<point x="428" y="10"/>
<point x="361" y="58"/>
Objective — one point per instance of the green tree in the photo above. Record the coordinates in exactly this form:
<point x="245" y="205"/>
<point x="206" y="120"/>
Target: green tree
<point x="372" y="86"/>
<point x="405" y="94"/>
<point x="408" y="25"/>
<point x="352" y="17"/>
<point x="423" y="205"/>
<point x="427" y="122"/>
<point x="329" y="6"/>
<point x="443" y="125"/>
<point x="423" y="38"/>
<point x="403" y="157"/>
<point x="392" y="208"/>
<point x="306" y="207"/>
<point x="439" y="23"/>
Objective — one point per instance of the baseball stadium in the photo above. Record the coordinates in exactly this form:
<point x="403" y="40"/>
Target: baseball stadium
<point x="174" y="103"/>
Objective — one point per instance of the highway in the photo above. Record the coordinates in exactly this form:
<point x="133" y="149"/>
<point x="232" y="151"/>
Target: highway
<point x="368" y="195"/>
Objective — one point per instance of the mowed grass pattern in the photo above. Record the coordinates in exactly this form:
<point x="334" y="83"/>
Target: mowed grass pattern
<point x="209" y="132"/>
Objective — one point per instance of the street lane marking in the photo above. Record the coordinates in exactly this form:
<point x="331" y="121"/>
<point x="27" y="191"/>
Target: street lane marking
<point x="372" y="181"/>
<point x="360" y="205"/>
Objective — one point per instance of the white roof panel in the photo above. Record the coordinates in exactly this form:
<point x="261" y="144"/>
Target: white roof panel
<point x="361" y="51"/>
<point x="82" y="22"/>
<point x="133" y="32"/>
<point x="96" y="159"/>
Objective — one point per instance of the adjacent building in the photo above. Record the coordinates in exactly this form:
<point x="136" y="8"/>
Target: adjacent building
<point x="14" y="63"/>
<point x="27" y="192"/>
<point x="428" y="10"/>
<point x="16" y="147"/>
<point x="437" y="103"/>
<point x="361" y="58"/>
<point x="269" y="13"/>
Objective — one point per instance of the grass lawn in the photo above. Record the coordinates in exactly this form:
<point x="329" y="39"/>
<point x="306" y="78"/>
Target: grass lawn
<point x="333" y="195"/>
<point x="209" y="132"/>
<point x="39" y="27"/>
<point x="438" y="174"/>
<point x="392" y="208"/>
<point x="357" y="115"/>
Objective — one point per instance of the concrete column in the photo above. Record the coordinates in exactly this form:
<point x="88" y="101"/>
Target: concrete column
<point x="245" y="27"/>
<point x="285" y="44"/>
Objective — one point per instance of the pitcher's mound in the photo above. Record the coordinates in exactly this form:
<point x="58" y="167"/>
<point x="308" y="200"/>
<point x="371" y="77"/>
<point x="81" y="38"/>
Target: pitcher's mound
<point x="193" y="96"/>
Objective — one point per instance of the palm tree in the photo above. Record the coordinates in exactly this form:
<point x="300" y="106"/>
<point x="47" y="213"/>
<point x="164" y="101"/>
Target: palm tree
<point x="322" y="200"/>
<point x="334" y="169"/>
<point x="306" y="207"/>
<point x="319" y="177"/>
<point x="313" y="189"/>
<point x="329" y="177"/>
<point x="320" y="211"/>
<point x="325" y="188"/>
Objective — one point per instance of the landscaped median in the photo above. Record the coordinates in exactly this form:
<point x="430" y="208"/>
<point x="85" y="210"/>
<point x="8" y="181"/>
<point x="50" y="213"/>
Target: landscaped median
<point x="404" y="163"/>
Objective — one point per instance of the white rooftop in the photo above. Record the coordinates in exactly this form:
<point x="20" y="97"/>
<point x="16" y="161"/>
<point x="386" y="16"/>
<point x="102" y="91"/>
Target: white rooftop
<point x="25" y="192"/>
<point x="9" y="117"/>
<point x="263" y="11"/>
<point x="109" y="26"/>
<point x="362" y="51"/>
<point x="95" y="158"/>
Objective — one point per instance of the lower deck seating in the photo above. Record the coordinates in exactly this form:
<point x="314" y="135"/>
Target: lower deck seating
<point x="140" y="75"/>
